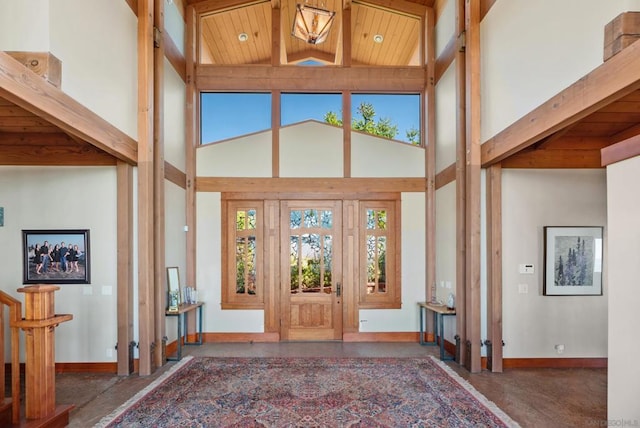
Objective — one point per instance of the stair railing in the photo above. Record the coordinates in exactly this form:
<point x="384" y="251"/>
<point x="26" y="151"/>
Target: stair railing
<point x="15" y="316"/>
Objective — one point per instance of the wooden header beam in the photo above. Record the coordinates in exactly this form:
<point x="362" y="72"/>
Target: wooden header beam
<point x="309" y="185"/>
<point x="266" y="78"/>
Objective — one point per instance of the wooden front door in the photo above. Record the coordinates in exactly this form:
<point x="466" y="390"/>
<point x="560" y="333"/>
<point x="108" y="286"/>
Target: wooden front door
<point x="311" y="270"/>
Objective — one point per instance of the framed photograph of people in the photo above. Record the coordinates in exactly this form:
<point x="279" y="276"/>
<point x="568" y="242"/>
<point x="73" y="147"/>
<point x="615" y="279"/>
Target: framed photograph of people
<point x="56" y="256"/>
<point x="572" y="261"/>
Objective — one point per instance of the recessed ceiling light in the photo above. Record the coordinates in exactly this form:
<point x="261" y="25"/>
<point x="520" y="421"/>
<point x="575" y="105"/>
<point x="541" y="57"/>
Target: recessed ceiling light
<point x="378" y="38"/>
<point x="243" y="37"/>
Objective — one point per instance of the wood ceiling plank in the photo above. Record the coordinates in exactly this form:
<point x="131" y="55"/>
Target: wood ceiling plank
<point x="29" y="91"/>
<point x="554" y="158"/>
<point x="611" y="81"/>
<point x="626" y="134"/>
<point x="49" y="149"/>
<point x="622" y="107"/>
<point x="603" y="116"/>
<point x="404" y="6"/>
<point x="573" y="142"/>
<point x="599" y="129"/>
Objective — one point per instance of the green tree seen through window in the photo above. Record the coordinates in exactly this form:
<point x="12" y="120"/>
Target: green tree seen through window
<point x="382" y="127"/>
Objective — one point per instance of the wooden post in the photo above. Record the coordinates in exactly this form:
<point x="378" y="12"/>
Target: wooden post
<point x="39" y="324"/>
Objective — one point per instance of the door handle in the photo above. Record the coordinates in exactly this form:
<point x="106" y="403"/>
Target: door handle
<point x="338" y="289"/>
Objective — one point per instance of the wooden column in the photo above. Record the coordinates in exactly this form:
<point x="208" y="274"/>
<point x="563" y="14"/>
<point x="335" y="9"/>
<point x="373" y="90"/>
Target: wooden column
<point x="429" y="125"/>
<point x="191" y="141"/>
<point x="472" y="77"/>
<point x="40" y="372"/>
<point x="125" y="267"/>
<point x="494" y="265"/>
<point x="146" y="252"/>
<point x="461" y="168"/>
<point x="158" y="187"/>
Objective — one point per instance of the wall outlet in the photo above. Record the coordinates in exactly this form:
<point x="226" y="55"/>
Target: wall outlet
<point x="523" y="288"/>
<point x="559" y="349"/>
<point x="447" y="284"/>
<point x="109" y="352"/>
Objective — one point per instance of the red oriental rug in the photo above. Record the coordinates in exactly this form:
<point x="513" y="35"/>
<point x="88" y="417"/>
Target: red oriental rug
<point x="309" y="392"/>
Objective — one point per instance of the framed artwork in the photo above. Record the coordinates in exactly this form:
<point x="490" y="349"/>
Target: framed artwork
<point x="56" y="256"/>
<point x="572" y="261"/>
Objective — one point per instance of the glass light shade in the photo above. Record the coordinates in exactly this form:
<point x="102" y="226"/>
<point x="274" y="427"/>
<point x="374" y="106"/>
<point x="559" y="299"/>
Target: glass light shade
<point x="312" y="24"/>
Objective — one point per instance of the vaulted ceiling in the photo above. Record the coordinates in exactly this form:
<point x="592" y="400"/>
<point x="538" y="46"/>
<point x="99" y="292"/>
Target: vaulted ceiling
<point x="397" y="43"/>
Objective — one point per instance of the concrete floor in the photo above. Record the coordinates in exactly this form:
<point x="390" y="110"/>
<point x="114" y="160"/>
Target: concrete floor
<point x="532" y="397"/>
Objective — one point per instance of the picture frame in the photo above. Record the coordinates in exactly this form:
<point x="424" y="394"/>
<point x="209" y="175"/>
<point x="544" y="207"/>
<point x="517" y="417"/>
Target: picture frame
<point x="174" y="290"/>
<point x="68" y="264"/>
<point x="573" y="260"/>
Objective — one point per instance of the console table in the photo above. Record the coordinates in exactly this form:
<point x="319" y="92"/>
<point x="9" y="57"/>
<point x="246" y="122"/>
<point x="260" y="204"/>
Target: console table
<point x="181" y="313"/>
<point x="439" y="312"/>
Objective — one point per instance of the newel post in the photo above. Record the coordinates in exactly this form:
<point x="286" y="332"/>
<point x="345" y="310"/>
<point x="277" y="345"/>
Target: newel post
<point x="39" y="324"/>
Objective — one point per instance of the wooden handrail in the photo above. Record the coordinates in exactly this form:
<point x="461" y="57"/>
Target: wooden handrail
<point x="15" y="316"/>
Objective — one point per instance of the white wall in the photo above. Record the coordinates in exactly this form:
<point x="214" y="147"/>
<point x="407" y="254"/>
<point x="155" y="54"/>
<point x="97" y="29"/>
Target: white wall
<point x="65" y="198"/>
<point x="380" y="157"/>
<point x="24" y="25"/>
<point x="623" y="227"/>
<point x="531" y="50"/>
<point x="174" y="117"/>
<point x="533" y="323"/>
<point x="252" y="152"/>
<point x="311" y="149"/>
<point x="220" y="160"/>
<point x="97" y="42"/>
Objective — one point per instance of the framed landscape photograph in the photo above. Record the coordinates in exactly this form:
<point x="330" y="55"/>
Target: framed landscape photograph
<point x="56" y="256"/>
<point x="572" y="261"/>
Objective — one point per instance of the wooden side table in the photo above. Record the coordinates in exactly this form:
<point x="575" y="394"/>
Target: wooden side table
<point x="439" y="312"/>
<point x="181" y="313"/>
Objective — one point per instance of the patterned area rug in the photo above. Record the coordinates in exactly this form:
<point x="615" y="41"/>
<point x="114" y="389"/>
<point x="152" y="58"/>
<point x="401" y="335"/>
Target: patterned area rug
<point x="309" y="392"/>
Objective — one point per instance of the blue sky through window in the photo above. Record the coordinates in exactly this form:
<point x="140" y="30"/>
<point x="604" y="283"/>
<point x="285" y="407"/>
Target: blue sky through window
<point x="229" y="115"/>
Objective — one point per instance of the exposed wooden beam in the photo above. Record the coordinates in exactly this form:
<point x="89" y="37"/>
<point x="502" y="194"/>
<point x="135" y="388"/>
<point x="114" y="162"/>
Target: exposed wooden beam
<point x="446" y="176"/>
<point x="125" y="266"/>
<point x="610" y="81"/>
<point x="309" y="185"/>
<point x="473" y="105"/>
<point x="446" y="57"/>
<point x="410" y="79"/>
<point x="461" y="184"/>
<point x="621" y="151"/>
<point x="26" y="89"/>
<point x="159" y="272"/>
<point x="485" y="6"/>
<point x="554" y="158"/>
<point x="176" y="59"/>
<point x="146" y="298"/>
<point x="174" y="175"/>
<point x="429" y="125"/>
<point x="438" y="8"/>
<point x="217" y="5"/>
<point x="494" y="265"/>
<point x="191" y="142"/>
